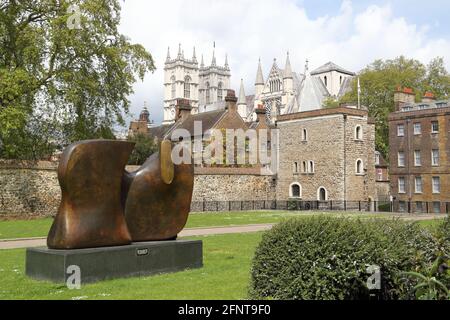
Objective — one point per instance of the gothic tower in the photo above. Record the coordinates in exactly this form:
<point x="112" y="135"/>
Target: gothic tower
<point x="181" y="80"/>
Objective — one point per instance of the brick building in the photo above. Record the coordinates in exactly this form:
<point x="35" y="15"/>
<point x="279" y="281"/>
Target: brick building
<point x="419" y="153"/>
<point x="327" y="155"/>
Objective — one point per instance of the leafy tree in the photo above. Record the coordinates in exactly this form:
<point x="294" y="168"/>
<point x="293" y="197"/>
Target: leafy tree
<point x="379" y="81"/>
<point x="144" y="148"/>
<point x="71" y="83"/>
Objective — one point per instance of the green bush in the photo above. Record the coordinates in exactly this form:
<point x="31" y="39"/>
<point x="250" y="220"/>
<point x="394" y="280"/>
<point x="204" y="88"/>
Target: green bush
<point x="327" y="258"/>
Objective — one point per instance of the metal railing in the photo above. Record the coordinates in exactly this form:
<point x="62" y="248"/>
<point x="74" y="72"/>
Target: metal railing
<point x="435" y="207"/>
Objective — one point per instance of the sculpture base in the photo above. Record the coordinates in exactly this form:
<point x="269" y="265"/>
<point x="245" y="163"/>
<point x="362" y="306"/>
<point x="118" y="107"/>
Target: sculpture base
<point x="96" y="264"/>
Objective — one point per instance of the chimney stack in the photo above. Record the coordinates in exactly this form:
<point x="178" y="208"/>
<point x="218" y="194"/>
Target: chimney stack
<point x="403" y="96"/>
<point x="231" y="100"/>
<point x="428" y="97"/>
<point x="183" y="109"/>
<point x="260" y="113"/>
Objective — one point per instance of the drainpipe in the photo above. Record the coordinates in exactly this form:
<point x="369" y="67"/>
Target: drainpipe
<point x="408" y="168"/>
<point x="345" y="158"/>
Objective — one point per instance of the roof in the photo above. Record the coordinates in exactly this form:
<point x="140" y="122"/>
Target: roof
<point x="323" y="112"/>
<point x="312" y="93"/>
<point x="208" y="120"/>
<point x="159" y="131"/>
<point x="330" y="66"/>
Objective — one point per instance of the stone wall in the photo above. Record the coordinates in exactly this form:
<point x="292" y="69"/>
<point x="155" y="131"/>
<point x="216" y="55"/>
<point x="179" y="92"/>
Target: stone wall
<point x="28" y="188"/>
<point x="31" y="189"/>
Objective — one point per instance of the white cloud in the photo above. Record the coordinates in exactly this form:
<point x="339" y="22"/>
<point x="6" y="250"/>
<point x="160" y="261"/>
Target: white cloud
<point x="248" y="29"/>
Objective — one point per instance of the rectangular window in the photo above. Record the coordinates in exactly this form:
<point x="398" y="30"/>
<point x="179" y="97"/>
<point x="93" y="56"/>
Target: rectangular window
<point x="436" y="207"/>
<point x="401" y="185"/>
<point x="400" y="130"/>
<point x="435" y="157"/>
<point x="434" y="127"/>
<point x="417" y="128"/>
<point x="418" y="184"/>
<point x="401" y="206"/>
<point x="377" y="158"/>
<point x="417" y="158"/>
<point x="379" y="174"/>
<point x="436" y="185"/>
<point x="419" y="206"/>
<point x="401" y="159"/>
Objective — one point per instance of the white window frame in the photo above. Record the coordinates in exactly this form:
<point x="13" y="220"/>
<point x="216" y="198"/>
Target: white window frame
<point x="417" y="163"/>
<point x="433" y="162"/>
<point x="398" y="159"/>
<point x="419" y="126"/>
<point x="416" y="189"/>
<point x="356" y="167"/>
<point x="398" y="130"/>
<point x="403" y="190"/>
<point x="436" y="189"/>
<point x="432" y="129"/>
<point x="358" y="135"/>
<point x="318" y="193"/>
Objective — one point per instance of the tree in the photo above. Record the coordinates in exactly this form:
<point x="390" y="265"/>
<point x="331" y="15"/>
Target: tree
<point x="54" y="75"/>
<point x="379" y="81"/>
<point x="144" y="148"/>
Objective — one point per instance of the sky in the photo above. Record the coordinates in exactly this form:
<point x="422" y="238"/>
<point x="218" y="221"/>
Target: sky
<point x="350" y="33"/>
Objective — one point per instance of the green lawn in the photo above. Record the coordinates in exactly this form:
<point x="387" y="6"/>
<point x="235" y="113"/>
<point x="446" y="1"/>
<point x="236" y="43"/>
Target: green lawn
<point x="40" y="227"/>
<point x="225" y="275"/>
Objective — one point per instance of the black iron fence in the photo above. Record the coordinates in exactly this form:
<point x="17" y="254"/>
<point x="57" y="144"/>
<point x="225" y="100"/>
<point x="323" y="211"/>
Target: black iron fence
<point x="330" y="205"/>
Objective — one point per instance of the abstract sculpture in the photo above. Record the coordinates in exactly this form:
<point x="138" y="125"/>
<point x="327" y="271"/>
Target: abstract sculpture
<point x="103" y="205"/>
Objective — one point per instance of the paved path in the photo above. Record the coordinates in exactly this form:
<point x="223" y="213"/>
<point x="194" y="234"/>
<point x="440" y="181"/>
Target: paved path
<point x="41" y="241"/>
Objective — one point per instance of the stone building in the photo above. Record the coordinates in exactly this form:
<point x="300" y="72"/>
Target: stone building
<point x="419" y="153"/>
<point x="285" y="91"/>
<point x="203" y="86"/>
<point x="326" y="155"/>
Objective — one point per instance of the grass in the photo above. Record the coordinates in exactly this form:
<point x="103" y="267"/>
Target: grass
<point x="39" y="227"/>
<point x="225" y="275"/>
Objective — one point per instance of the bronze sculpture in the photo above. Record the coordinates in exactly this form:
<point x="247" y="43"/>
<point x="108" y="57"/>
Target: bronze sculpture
<point x="104" y="205"/>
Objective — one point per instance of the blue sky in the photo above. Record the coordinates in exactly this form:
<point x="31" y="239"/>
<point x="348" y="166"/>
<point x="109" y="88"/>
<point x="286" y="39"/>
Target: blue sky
<point x="351" y="33"/>
<point x="434" y="13"/>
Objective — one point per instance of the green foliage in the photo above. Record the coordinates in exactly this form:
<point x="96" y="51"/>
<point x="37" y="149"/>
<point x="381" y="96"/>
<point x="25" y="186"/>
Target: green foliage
<point x="144" y="147"/>
<point x="379" y="81"/>
<point x="327" y="258"/>
<point x="65" y="84"/>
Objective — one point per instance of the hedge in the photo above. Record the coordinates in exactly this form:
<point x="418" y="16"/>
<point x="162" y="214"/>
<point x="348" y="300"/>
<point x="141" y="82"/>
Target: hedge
<point x="327" y="258"/>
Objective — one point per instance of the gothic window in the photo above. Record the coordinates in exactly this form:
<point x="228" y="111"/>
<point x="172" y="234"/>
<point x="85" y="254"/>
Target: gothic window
<point x="220" y="92"/>
<point x="208" y="97"/>
<point x="295" y="190"/>
<point x="173" y="88"/>
<point x="187" y="87"/>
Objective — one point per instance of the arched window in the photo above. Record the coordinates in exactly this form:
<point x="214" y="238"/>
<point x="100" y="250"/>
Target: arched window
<point x="187" y="87"/>
<point x="304" y="167"/>
<point x="295" y="167"/>
<point x="322" y="194"/>
<point x="358" y="132"/>
<point x="311" y="167"/>
<point x="359" y="167"/>
<point x="173" y="88"/>
<point x="325" y="80"/>
<point x="304" y="135"/>
<point x="208" y="97"/>
<point x="220" y="92"/>
<point x="295" y="190"/>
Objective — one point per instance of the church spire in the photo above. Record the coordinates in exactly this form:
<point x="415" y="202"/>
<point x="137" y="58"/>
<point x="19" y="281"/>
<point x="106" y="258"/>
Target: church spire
<point x="259" y="74"/>
<point x="213" y="62"/>
<point x="202" y="63"/>
<point x="168" y="54"/>
<point x="287" y="69"/>
<point x="226" y="61"/>
<point x="194" y="57"/>
<point x="179" y="51"/>
<point x="242" y="99"/>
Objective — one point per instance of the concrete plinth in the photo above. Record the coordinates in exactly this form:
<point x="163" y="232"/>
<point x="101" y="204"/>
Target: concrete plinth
<point x="96" y="264"/>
